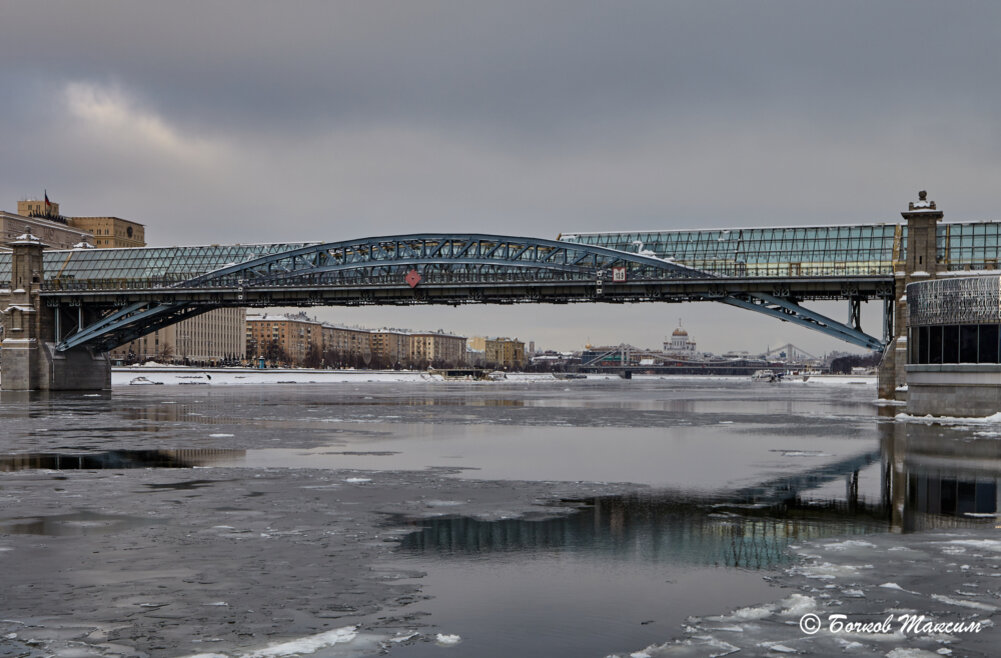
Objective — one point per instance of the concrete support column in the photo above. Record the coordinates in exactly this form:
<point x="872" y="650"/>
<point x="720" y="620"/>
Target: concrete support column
<point x="920" y="264"/>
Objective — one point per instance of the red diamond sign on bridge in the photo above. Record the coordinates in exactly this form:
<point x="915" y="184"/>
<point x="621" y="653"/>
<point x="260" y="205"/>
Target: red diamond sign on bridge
<point x="413" y="278"/>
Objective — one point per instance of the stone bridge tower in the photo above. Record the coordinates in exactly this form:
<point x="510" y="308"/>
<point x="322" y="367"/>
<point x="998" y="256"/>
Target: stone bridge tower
<point x="28" y="358"/>
<point x="920" y="264"/>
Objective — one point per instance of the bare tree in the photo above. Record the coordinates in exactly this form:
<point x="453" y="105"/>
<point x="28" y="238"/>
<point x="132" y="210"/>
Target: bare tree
<point x="166" y="353"/>
<point x="314" y="357"/>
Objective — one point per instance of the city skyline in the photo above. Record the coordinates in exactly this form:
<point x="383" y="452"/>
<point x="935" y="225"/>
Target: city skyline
<point x="255" y="123"/>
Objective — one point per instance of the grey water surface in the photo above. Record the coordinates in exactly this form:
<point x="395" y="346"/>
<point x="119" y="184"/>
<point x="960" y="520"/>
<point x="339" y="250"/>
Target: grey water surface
<point x="537" y="518"/>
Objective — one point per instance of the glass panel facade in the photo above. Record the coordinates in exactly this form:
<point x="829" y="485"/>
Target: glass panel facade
<point x="864" y="249"/>
<point x="970" y="246"/>
<point x="957" y="343"/>
<point x="950" y="343"/>
<point x="968" y="337"/>
<point x="791" y="251"/>
<point x="143" y="266"/>
<point x="988" y="351"/>
<point x="848" y="250"/>
<point x="935" y="345"/>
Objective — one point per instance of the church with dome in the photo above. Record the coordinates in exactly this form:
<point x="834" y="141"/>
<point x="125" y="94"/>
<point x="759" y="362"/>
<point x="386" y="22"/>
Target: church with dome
<point x="680" y="341"/>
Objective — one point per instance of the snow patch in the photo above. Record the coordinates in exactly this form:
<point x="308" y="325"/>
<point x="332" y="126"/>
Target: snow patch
<point x="310" y="644"/>
<point x="964" y="604"/>
<point x="986" y="544"/>
<point x="442" y="503"/>
<point x="901" y="652"/>
<point x="828" y="571"/>
<point x="848" y="543"/>
<point x="794" y="605"/>
<point x="950" y="420"/>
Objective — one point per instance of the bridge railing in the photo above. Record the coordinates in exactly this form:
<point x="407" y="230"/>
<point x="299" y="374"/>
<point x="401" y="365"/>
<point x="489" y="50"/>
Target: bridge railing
<point x="740" y="270"/>
<point x="82" y="285"/>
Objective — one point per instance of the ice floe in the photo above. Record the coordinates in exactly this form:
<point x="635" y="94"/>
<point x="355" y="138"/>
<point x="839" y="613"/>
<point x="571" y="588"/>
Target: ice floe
<point x="309" y="644"/>
<point x="950" y="420"/>
<point x="447" y="640"/>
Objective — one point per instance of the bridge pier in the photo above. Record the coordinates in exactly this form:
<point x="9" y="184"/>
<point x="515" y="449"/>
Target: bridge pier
<point x="921" y="264"/>
<point x="29" y="360"/>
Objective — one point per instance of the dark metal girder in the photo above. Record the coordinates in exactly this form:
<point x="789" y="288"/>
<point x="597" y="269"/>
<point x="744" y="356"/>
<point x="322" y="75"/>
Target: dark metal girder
<point x="788" y="311"/>
<point x="111" y="341"/>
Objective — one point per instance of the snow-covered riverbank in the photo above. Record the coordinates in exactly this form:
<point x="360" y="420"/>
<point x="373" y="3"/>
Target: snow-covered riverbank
<point x="177" y="375"/>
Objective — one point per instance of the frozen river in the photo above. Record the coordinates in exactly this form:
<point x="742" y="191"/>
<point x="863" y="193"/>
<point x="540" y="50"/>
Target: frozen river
<point x="534" y="518"/>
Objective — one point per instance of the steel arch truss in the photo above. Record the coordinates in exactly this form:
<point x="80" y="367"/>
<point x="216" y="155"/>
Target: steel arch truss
<point x="440" y="261"/>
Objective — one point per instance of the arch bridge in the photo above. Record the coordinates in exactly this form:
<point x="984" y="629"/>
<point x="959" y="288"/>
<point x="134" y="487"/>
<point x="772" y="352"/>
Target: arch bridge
<point x="104" y="298"/>
<point x="66" y="308"/>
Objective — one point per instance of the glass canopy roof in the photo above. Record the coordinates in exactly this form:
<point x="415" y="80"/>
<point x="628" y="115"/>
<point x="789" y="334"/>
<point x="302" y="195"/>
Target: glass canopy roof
<point x="849" y="250"/>
<point x="166" y="264"/>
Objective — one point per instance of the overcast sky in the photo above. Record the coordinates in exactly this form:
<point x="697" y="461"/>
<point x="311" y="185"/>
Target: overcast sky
<point x="221" y="122"/>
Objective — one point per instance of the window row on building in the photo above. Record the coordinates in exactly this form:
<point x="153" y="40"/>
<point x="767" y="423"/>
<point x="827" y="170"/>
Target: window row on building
<point x="954" y="343"/>
<point x="212" y="338"/>
<point x="499" y="352"/>
<point x="300" y="340"/>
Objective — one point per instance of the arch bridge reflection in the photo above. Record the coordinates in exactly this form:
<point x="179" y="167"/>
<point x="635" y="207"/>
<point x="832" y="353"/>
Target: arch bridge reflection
<point x="926" y="481"/>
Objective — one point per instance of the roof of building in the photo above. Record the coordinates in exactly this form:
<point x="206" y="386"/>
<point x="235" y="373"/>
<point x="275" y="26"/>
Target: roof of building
<point x="120" y="219"/>
<point x="439" y="333"/>
<point x="44" y="222"/>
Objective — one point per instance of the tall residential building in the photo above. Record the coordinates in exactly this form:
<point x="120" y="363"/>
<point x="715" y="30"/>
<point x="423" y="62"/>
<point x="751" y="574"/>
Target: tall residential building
<point x="436" y="347"/>
<point x="209" y="338"/>
<point x="346" y="341"/>
<point x="503" y="352"/>
<point x="293" y="334"/>
<point x="390" y="346"/>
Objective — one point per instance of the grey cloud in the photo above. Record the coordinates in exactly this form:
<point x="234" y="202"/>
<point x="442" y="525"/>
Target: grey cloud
<point x="513" y="67"/>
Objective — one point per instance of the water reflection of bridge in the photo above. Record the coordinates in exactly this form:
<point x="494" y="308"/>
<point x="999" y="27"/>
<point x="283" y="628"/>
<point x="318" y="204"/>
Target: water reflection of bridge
<point x="650" y="528"/>
<point x="118" y="459"/>
<point x="941" y="476"/>
<point x="926" y="481"/>
<point x="747" y="528"/>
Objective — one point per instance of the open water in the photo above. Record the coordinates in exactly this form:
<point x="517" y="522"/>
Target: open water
<point x="485" y="519"/>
